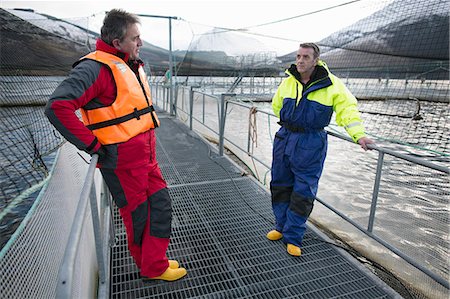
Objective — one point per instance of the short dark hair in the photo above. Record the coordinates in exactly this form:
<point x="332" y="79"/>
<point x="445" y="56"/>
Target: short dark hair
<point x="115" y="25"/>
<point x="313" y="46"/>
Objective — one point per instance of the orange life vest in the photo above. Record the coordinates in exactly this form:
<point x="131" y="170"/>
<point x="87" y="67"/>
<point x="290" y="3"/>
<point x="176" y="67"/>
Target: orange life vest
<point x="132" y="111"/>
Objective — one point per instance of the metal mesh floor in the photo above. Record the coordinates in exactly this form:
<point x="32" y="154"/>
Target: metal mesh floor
<point x="218" y="235"/>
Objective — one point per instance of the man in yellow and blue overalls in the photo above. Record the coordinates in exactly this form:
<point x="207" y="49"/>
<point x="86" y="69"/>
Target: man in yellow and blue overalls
<point x="305" y="102"/>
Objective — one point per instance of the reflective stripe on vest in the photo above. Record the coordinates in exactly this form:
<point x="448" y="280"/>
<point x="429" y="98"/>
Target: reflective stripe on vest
<point x="131" y="113"/>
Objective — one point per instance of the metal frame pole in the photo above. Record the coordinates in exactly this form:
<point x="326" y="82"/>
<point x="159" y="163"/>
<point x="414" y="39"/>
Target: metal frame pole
<point x="171" y="72"/>
<point x="171" y="68"/>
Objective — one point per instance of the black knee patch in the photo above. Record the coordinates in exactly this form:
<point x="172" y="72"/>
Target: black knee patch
<point x="139" y="218"/>
<point x="301" y="205"/>
<point x="114" y="186"/>
<point x="160" y="214"/>
<point x="281" y="193"/>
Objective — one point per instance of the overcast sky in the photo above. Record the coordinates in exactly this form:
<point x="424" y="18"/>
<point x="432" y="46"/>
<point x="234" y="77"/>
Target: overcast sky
<point x="198" y="16"/>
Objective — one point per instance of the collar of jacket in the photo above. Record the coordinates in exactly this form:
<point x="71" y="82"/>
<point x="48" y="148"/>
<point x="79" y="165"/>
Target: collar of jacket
<point x="133" y="64"/>
<point x="319" y="72"/>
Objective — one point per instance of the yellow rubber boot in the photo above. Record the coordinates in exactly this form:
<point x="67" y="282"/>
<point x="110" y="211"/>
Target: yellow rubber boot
<point x="294" y="250"/>
<point x="173" y="264"/>
<point x="274" y="235"/>
<point x="170" y="274"/>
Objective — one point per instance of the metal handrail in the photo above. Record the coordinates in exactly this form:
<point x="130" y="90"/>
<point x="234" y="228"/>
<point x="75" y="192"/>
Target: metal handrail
<point x="64" y="286"/>
<point x="411" y="159"/>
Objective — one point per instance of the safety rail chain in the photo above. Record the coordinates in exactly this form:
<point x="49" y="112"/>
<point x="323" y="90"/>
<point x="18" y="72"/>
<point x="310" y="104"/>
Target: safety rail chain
<point x="102" y="218"/>
<point x="170" y="105"/>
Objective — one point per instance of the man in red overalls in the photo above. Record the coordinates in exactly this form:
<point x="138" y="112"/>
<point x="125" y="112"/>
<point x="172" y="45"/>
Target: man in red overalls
<point x="111" y="90"/>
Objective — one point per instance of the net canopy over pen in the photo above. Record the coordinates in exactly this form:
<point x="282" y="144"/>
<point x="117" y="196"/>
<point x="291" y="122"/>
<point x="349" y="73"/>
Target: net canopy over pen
<point x="395" y="60"/>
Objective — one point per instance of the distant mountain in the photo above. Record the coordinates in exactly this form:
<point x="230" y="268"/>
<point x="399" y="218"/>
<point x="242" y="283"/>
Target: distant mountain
<point x="26" y="49"/>
<point x="59" y="27"/>
<point x="405" y="35"/>
<point x="38" y="44"/>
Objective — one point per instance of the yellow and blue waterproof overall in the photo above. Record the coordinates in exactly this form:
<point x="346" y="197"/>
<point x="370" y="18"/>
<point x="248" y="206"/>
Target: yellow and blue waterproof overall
<point x="300" y="145"/>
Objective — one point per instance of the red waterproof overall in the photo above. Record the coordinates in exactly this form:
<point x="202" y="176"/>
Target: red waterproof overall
<point x="114" y="98"/>
<point x="126" y="131"/>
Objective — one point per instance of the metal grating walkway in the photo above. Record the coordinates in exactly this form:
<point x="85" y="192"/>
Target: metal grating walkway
<point x="218" y="235"/>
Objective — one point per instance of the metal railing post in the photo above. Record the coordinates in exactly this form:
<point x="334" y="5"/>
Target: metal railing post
<point x="376" y="188"/>
<point x="248" y="135"/>
<point x="97" y="235"/>
<point x="107" y="238"/>
<point x="156" y="94"/>
<point x="168" y="98"/>
<point x="191" y="105"/>
<point x="112" y="229"/>
<point x="222" y="114"/>
<point x="163" y="98"/>
<point x="222" y="117"/>
<point x="175" y="100"/>
<point x="203" y="113"/>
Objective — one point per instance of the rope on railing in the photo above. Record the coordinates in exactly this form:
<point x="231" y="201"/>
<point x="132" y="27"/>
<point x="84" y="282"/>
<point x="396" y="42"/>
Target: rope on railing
<point x="253" y="136"/>
<point x="252" y="126"/>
